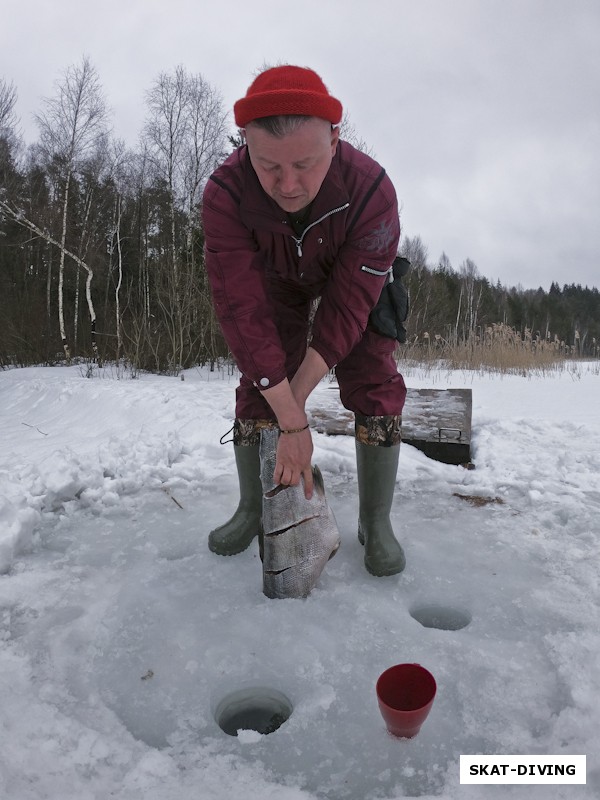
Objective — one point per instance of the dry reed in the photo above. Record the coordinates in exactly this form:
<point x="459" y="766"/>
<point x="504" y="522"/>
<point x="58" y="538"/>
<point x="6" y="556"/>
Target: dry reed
<point x="496" y="348"/>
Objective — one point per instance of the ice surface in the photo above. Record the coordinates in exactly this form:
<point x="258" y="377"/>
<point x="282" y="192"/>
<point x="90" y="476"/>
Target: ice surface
<point x="120" y="632"/>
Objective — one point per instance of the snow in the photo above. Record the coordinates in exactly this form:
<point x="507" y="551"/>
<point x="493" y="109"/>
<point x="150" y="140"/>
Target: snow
<point x="120" y="632"/>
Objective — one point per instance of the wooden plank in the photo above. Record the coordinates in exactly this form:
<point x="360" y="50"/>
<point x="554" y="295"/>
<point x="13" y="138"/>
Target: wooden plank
<point x="436" y="421"/>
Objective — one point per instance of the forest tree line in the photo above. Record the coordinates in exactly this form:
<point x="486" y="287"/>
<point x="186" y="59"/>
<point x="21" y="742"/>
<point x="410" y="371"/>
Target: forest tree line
<point x="101" y="245"/>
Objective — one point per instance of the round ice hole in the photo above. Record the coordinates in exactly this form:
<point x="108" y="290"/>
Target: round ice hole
<point x="256" y="709"/>
<point x="441" y="617"/>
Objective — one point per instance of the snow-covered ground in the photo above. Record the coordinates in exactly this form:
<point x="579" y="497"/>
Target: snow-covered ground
<point x="120" y="632"/>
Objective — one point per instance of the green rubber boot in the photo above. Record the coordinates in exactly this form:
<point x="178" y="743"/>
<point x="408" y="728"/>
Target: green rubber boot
<point x="237" y="534"/>
<point x="377" y="468"/>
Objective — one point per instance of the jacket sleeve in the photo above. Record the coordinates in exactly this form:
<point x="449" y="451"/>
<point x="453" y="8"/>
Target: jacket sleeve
<point x="357" y="277"/>
<point x="237" y="279"/>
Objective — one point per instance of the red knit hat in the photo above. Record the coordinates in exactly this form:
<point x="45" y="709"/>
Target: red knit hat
<point x="287" y="90"/>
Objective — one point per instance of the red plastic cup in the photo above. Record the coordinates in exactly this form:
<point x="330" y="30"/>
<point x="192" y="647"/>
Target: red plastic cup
<point x="405" y="694"/>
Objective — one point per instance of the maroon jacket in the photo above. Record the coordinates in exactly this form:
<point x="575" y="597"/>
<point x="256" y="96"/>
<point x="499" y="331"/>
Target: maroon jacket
<point x="343" y="256"/>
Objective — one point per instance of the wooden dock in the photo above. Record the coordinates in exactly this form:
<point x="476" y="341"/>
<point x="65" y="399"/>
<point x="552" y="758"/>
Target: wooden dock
<point x="436" y="421"/>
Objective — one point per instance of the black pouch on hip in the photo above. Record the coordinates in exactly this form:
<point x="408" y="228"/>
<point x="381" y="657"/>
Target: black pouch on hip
<point x="390" y="313"/>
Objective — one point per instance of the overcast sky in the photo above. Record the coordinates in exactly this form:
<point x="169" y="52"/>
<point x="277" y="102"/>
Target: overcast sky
<point x="485" y="113"/>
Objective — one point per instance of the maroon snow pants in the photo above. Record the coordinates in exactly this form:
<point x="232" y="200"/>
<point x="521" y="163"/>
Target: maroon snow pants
<point x="368" y="377"/>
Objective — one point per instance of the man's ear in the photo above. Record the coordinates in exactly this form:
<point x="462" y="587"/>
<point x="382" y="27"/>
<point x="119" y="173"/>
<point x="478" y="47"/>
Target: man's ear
<point x="335" y="137"/>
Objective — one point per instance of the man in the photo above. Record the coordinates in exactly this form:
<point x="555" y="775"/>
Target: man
<point x="293" y="215"/>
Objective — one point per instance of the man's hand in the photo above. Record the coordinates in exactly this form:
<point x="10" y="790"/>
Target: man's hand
<point x="294" y="454"/>
<point x="294" y="450"/>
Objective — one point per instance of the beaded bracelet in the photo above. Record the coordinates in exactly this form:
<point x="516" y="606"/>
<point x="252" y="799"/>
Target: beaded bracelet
<point x="295" y="430"/>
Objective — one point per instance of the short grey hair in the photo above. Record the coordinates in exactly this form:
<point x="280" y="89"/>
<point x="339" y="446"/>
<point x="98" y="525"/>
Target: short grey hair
<point x="281" y="125"/>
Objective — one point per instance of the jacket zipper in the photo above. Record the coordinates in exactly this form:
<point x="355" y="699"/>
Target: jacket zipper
<point x="380" y="272"/>
<point x="316" y="222"/>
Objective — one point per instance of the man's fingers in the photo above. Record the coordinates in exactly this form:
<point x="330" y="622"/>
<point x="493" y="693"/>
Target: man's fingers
<point x="308" y="483"/>
<point x="286" y="477"/>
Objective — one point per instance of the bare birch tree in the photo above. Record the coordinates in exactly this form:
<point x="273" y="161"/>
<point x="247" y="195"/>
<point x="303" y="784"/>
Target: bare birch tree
<point x="469" y="279"/>
<point x="8" y="100"/>
<point x="139" y="180"/>
<point x="165" y="132"/>
<point x="72" y="125"/>
<point x="185" y="136"/>
<point x="203" y="147"/>
<point x="8" y="134"/>
<point x="120" y="167"/>
<point x="96" y="169"/>
<point x="416" y="252"/>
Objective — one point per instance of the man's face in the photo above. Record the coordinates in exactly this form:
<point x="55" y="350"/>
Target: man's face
<point x="292" y="168"/>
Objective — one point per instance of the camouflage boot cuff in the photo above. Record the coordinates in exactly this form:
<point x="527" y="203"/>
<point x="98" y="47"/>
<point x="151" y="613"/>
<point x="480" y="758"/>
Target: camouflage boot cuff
<point x="246" y="432"/>
<point x="378" y="431"/>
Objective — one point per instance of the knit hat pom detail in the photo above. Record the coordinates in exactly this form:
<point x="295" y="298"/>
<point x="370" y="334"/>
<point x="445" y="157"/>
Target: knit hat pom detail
<point x="287" y="90"/>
